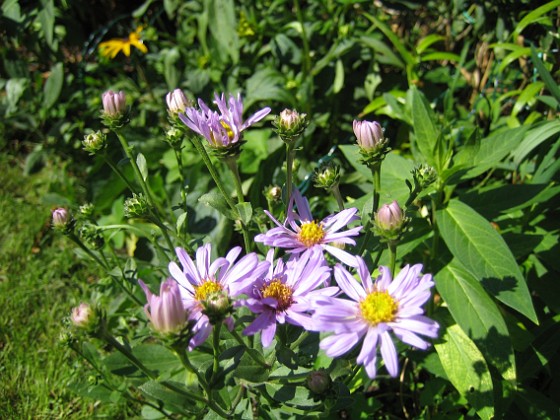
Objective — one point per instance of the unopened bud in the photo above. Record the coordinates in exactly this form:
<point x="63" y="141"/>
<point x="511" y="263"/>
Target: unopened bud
<point x="166" y="311"/>
<point x="424" y="176"/>
<point x="327" y="177"/>
<point x="136" y="206"/>
<point x="371" y="140"/>
<point x="319" y="381"/>
<point x="174" y="137"/>
<point x="390" y="221"/>
<point x="115" y="113"/>
<point x="177" y="102"/>
<point x="94" y="142"/>
<point x="217" y="306"/>
<point x="62" y="221"/>
<point x="273" y="193"/>
<point x="86" y="210"/>
<point x="290" y="125"/>
<point x="85" y="317"/>
<point x="92" y="236"/>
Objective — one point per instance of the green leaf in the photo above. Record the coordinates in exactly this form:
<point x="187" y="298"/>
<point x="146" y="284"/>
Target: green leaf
<point x="223" y="26"/>
<point x="14" y="91"/>
<point x="338" y="83"/>
<point x="533" y="16"/>
<point x="245" y="212"/>
<point x="426" y="133"/>
<point x="217" y="201"/>
<point x="170" y="71"/>
<point x="46" y="18"/>
<point x="493" y="149"/>
<point x="407" y="57"/>
<point x="171" y="399"/>
<point x="249" y="370"/>
<point x="427" y="41"/>
<point x="157" y="358"/>
<point x="266" y="84"/>
<point x="535" y="137"/>
<point x="484" y="253"/>
<point x="478" y="315"/>
<point x="544" y="73"/>
<point x="53" y="86"/>
<point x="142" y="165"/>
<point x="467" y="370"/>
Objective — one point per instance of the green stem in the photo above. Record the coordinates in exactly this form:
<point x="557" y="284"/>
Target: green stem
<point x="216" y="348"/>
<point x="299" y="340"/>
<point x="290" y="155"/>
<point x="213" y="173"/>
<point x="336" y="193"/>
<point x="376" y="175"/>
<point x="119" y="173"/>
<point x="392" y="245"/>
<point x="88" y="251"/>
<point x="231" y="163"/>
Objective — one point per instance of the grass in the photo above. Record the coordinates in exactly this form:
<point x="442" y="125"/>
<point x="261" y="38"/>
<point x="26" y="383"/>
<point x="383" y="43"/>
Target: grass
<point x="41" y="279"/>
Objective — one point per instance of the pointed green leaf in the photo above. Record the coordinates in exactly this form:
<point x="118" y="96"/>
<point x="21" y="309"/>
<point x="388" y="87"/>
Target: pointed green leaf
<point x="245" y="212"/>
<point x="426" y="133"/>
<point x="142" y="165"/>
<point x="53" y="85"/>
<point x="467" y="370"/>
<point x="484" y="253"/>
<point x="217" y="201"/>
<point x="544" y="73"/>
<point x="539" y="134"/>
<point x="478" y="315"/>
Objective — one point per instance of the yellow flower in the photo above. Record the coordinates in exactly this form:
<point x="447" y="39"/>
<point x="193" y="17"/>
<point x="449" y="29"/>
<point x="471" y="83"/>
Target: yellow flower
<point x="113" y="46"/>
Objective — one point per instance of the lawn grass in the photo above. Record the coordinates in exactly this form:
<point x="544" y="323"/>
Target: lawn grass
<point x="41" y="279"/>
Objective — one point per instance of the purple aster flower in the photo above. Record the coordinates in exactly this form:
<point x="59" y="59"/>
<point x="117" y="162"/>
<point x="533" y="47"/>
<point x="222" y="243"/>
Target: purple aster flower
<point x="286" y="292"/>
<point x="201" y="281"/>
<point x="166" y="311"/>
<point x="301" y="232"/>
<point x="222" y="129"/>
<point x="375" y="309"/>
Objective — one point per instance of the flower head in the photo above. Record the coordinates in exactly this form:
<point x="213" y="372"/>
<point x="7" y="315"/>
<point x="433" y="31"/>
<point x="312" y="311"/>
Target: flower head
<point x="61" y="220"/>
<point x="375" y="309"/>
<point x="114" y="103"/>
<point x="285" y="293"/>
<point x="301" y="232"/>
<point x="202" y="281"/>
<point x="177" y="102"/>
<point x="372" y="141"/>
<point x="390" y="221"/>
<point x="290" y="125"/>
<point x="222" y="129"/>
<point x="94" y="142"/>
<point x="166" y="311"/>
<point x="114" y="46"/>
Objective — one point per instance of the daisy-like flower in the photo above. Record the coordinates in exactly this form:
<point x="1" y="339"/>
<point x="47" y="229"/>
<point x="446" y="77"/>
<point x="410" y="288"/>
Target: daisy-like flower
<point x="301" y="232"/>
<point x="376" y="309"/>
<point x="114" y="46"/>
<point x="202" y="281"/>
<point x="286" y="292"/>
<point x="222" y="129"/>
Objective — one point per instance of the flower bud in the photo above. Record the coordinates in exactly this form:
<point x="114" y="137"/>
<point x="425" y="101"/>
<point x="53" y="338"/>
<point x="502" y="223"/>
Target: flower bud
<point x="174" y="137"/>
<point x="94" y="142"/>
<point x="86" y="211"/>
<point x="327" y="177"/>
<point x="115" y="113"/>
<point x="217" y="307"/>
<point x="177" y="102"/>
<point x="424" y="175"/>
<point x="273" y="193"/>
<point x="319" y="381"/>
<point x="290" y="125"/>
<point x="166" y="312"/>
<point x="114" y="103"/>
<point x="92" y="236"/>
<point x="371" y="140"/>
<point x="368" y="133"/>
<point x="390" y="221"/>
<point x="62" y="221"/>
<point x="85" y="317"/>
<point x="136" y="206"/>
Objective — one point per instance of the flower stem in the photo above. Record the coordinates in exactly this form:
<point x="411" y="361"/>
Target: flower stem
<point x="376" y="175"/>
<point x="290" y="155"/>
<point x="213" y="173"/>
<point x="392" y="256"/>
<point x="88" y="251"/>
<point x="216" y="348"/>
<point x="119" y="173"/>
<point x="336" y="193"/>
<point x="231" y="163"/>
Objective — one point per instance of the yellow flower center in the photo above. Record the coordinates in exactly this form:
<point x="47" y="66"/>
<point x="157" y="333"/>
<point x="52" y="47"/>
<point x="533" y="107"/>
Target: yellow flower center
<point x="279" y="291"/>
<point x="378" y="307"/>
<point x="311" y="233"/>
<point x="208" y="287"/>
<point x="229" y="131"/>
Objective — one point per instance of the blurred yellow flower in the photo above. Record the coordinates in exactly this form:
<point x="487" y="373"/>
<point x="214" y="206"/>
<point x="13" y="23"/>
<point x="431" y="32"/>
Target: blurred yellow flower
<point x="113" y="46"/>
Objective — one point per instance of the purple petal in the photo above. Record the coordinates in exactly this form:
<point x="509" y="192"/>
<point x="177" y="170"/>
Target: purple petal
<point x="348" y="284"/>
<point x="389" y="354"/>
